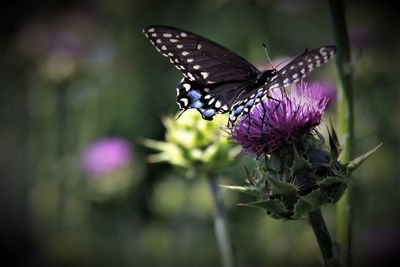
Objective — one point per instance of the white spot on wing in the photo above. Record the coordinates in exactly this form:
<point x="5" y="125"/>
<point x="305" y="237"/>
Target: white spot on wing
<point x="151" y="30"/>
<point x="185" y="101"/>
<point x="167" y="35"/>
<point x="183" y="34"/>
<point x="199" y="46"/>
<point x="196" y="67"/>
<point x="185" y="53"/>
<point x="205" y="75"/>
<point x="173" y="40"/>
<point x="179" y="46"/>
<point x="163" y="47"/>
<point x="191" y="77"/>
<point x="189" y="60"/>
<point x="186" y="86"/>
<point x="154" y="34"/>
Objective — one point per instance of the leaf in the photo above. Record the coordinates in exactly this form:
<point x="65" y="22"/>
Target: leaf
<point x="300" y="165"/>
<point x="329" y="181"/>
<point x="281" y="187"/>
<point x="310" y="202"/>
<point x="333" y="143"/>
<point x="353" y="164"/>
<point x="248" y="190"/>
<point x="270" y="205"/>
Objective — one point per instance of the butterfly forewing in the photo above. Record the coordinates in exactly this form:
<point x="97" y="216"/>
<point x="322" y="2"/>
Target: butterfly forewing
<point x="300" y="66"/>
<point x="292" y="72"/>
<point x="200" y="60"/>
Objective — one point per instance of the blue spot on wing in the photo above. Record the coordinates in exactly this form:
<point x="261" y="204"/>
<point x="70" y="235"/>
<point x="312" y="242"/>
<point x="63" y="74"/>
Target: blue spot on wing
<point x="198" y="104"/>
<point x="239" y="109"/>
<point x="250" y="103"/>
<point x="207" y="113"/>
<point x="194" y="95"/>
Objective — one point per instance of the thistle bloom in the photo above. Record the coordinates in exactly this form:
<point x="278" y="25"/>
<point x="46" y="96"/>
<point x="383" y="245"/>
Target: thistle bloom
<point x="193" y="144"/>
<point x="274" y="124"/>
<point x="106" y="155"/>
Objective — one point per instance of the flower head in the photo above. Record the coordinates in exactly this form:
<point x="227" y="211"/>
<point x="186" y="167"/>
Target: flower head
<point x="106" y="155"/>
<point x="194" y="144"/>
<point x="281" y="120"/>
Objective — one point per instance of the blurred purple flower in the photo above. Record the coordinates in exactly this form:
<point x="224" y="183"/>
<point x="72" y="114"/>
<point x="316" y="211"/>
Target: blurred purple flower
<point x="106" y="155"/>
<point x="274" y="124"/>
<point x="380" y="246"/>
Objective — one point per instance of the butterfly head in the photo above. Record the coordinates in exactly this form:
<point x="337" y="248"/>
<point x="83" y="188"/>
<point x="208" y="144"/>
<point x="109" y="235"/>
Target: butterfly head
<point x="264" y="76"/>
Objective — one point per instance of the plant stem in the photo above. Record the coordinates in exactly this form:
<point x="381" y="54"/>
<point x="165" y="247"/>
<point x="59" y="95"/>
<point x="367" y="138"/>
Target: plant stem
<point x="220" y="224"/>
<point x="345" y="124"/>
<point x="329" y="251"/>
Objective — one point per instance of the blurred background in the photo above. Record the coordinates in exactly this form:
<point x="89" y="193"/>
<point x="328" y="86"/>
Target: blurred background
<point x="81" y="87"/>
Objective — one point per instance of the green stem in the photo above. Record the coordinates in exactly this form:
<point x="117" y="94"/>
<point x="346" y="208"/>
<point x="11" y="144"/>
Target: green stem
<point x="220" y="224"/>
<point x="345" y="123"/>
<point x="328" y="249"/>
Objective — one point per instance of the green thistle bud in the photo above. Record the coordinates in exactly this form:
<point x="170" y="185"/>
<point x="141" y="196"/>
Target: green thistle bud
<point x="193" y="144"/>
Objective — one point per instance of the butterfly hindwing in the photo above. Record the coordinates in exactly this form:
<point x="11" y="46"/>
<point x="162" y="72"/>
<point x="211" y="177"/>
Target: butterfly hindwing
<point x="208" y="100"/>
<point x="199" y="59"/>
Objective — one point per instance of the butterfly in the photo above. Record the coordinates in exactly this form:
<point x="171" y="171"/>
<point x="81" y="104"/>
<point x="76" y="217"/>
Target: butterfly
<point x="216" y="80"/>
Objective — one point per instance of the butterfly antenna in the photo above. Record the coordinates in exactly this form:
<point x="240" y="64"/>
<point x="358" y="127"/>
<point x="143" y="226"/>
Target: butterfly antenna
<point x="266" y="52"/>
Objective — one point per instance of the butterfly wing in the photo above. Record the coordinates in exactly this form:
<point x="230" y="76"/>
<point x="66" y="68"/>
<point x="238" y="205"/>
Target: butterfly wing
<point x="300" y="66"/>
<point x="213" y="75"/>
<point x="292" y="72"/>
<point x="200" y="60"/>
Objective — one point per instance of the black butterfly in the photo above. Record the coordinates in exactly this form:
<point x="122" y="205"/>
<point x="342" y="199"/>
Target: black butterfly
<point x="216" y="80"/>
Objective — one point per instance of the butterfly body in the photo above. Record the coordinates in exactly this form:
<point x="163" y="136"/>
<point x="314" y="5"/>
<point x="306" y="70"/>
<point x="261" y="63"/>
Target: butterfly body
<point x="216" y="80"/>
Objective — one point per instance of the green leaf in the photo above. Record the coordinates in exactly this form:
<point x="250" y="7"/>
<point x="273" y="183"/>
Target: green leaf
<point x="281" y="187"/>
<point x="353" y="164"/>
<point x="329" y="181"/>
<point x="248" y="190"/>
<point x="310" y="202"/>
<point x="300" y="165"/>
<point x="271" y="205"/>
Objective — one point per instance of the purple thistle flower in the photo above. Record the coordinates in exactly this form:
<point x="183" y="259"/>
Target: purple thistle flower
<point x="106" y="155"/>
<point x="274" y="124"/>
<point x="328" y="89"/>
